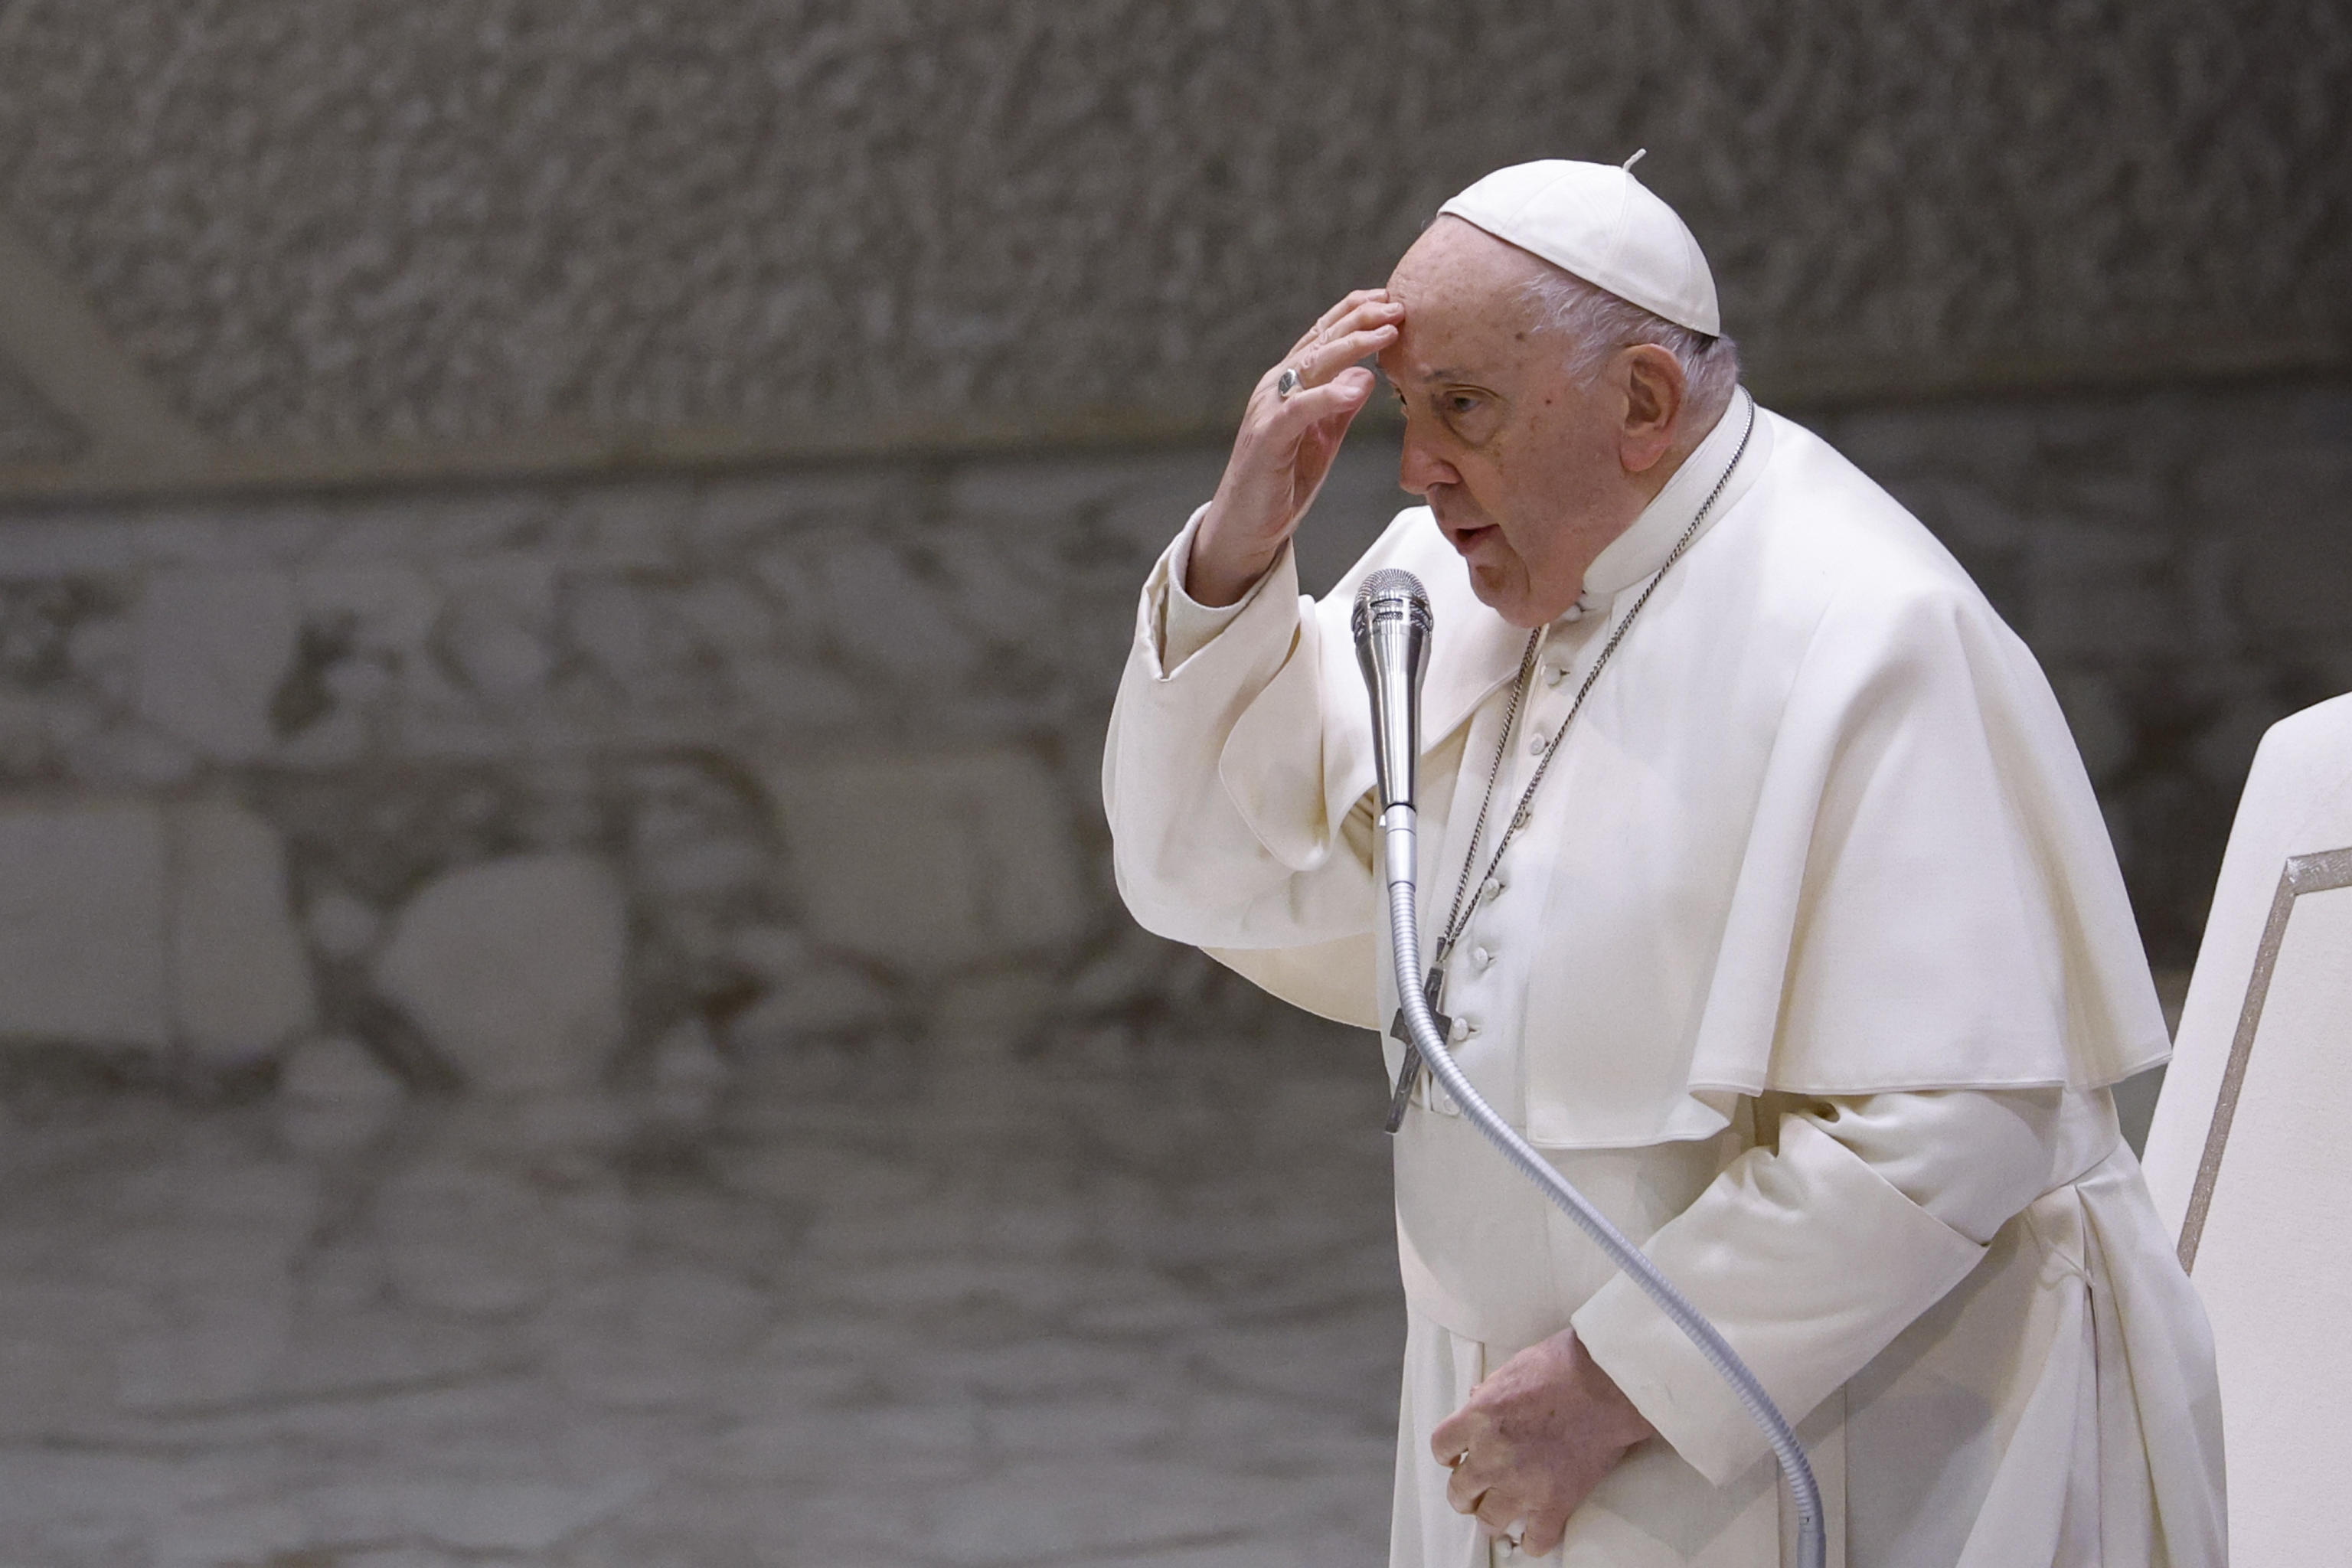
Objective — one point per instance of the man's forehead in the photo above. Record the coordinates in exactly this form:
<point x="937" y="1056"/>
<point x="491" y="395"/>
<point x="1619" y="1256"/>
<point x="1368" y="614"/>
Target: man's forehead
<point x="1453" y="256"/>
<point x="1440" y="340"/>
<point x="1453" y="356"/>
<point x="1461" y="289"/>
<point x="1452" y="336"/>
<point x="1395" y="369"/>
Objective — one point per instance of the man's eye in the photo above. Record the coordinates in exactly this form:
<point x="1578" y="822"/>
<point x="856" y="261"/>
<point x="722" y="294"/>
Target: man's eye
<point x="1461" y="402"/>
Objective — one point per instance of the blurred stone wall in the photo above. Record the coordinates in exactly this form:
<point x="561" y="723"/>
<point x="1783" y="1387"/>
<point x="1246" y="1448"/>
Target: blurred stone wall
<point x="547" y="789"/>
<point x="528" y="787"/>
<point x="345" y="238"/>
<point x="557" y="543"/>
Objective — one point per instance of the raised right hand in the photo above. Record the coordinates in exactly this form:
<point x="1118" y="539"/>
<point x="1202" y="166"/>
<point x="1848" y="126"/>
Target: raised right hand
<point x="1284" y="446"/>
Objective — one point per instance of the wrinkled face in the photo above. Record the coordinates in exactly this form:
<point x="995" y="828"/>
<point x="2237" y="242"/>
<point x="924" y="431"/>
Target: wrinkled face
<point x="1521" y="463"/>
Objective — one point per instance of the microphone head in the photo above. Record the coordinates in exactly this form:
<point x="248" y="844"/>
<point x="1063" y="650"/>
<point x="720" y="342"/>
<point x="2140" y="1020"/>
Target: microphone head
<point x="1391" y="591"/>
<point x="1391" y="623"/>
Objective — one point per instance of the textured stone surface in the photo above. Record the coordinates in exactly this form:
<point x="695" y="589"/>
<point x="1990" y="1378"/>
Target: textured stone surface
<point x="645" y="672"/>
<point x="240" y="979"/>
<point x="515" y="969"/>
<point x="30" y="430"/>
<point x="344" y="221"/>
<point x="1132" y="1299"/>
<point x="934" y="862"/>
<point x="333" y="1094"/>
<point x="214" y="648"/>
<point x="83" y="923"/>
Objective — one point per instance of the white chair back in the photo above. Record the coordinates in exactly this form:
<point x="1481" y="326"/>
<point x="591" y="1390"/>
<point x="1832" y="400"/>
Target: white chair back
<point x="2246" y="1155"/>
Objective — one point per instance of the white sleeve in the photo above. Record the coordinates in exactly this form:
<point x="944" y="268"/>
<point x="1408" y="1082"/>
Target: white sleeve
<point x="1186" y="625"/>
<point x="1275" y="890"/>
<point x="1812" y="1255"/>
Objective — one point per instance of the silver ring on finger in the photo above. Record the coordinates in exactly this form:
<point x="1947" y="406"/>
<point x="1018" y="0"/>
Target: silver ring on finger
<point x="1288" y="382"/>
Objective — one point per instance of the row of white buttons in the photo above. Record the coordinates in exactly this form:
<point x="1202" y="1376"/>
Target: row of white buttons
<point x="1484" y="957"/>
<point x="1553" y="674"/>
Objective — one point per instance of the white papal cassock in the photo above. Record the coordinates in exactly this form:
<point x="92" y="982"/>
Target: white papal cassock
<point x="1812" y="968"/>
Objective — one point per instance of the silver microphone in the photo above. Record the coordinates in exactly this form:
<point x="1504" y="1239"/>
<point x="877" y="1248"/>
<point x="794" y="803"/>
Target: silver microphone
<point x="1392" y="624"/>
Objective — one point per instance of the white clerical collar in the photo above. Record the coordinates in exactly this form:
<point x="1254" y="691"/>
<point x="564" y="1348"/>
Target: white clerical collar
<point x="1643" y="548"/>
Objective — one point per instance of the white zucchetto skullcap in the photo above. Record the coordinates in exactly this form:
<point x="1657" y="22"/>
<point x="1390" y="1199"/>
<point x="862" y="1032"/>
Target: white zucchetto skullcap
<point x="1603" y="225"/>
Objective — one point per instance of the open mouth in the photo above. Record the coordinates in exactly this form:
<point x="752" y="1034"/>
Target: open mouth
<point x="1468" y="538"/>
<point x="1466" y="541"/>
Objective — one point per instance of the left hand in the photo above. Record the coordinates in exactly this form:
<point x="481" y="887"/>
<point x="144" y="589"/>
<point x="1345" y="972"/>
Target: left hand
<point x="1534" y="1439"/>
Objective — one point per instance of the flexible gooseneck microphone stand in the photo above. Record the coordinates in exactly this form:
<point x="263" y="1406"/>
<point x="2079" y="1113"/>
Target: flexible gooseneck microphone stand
<point x="1392" y="626"/>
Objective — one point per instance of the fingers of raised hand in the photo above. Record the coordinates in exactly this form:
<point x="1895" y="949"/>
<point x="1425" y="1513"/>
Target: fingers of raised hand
<point x="1344" y="393"/>
<point x="1343" y="348"/>
<point x="1368" y="328"/>
<point x="1331" y="368"/>
<point x="1287" y="418"/>
<point x="1355" y="300"/>
<point x="1347" y="333"/>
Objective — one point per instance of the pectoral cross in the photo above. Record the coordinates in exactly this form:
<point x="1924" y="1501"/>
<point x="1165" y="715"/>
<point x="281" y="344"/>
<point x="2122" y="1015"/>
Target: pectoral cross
<point x="1408" y="1074"/>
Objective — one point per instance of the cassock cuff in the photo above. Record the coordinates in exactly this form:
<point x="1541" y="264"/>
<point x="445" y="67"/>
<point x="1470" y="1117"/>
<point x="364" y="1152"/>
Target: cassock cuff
<point x="1807" y="1260"/>
<point x="1171" y="728"/>
<point x="1185" y="625"/>
<point x="1264" y="663"/>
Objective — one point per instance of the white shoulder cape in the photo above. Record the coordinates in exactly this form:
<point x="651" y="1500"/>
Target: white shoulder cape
<point x="1828" y="832"/>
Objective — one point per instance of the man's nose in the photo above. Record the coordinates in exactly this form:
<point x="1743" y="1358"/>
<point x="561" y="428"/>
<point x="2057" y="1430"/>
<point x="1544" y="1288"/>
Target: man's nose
<point x="1419" y="469"/>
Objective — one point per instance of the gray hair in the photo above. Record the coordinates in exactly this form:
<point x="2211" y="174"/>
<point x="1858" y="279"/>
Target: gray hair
<point x="1597" y="323"/>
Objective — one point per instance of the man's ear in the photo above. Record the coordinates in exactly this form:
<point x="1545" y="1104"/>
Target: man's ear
<point x="1656" y="392"/>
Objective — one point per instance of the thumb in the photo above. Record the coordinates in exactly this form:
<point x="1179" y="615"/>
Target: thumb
<point x="1342" y="396"/>
<point x="1355" y="383"/>
<point x="1450" y="1438"/>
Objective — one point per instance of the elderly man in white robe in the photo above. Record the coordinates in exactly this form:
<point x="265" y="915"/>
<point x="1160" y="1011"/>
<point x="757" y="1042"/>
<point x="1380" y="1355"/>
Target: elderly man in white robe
<point x="1781" y="919"/>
